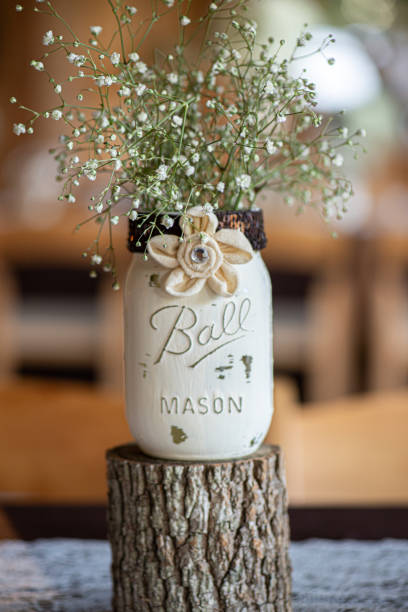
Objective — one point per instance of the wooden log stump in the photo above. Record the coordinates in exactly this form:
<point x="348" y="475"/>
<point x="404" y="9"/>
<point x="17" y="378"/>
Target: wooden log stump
<point x="198" y="536"/>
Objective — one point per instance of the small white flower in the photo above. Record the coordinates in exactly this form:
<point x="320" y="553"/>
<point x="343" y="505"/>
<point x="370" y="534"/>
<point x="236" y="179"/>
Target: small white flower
<point x="195" y="158"/>
<point x="96" y="259"/>
<point x="343" y="132"/>
<point x="99" y="208"/>
<point x="141" y="67"/>
<point x="96" y="30"/>
<point x="19" y="8"/>
<point x="132" y="10"/>
<point x="280" y="118"/>
<point x="338" y="160"/>
<point x="140" y="89"/>
<point x="177" y="120"/>
<point x="70" y="145"/>
<point x="200" y="77"/>
<point x="113" y="153"/>
<point x="189" y="170"/>
<point x="220" y="187"/>
<point x="210" y="148"/>
<point x="133" y="215"/>
<point x="167" y="221"/>
<point x="162" y="171"/>
<point x="117" y="165"/>
<point x="75" y="160"/>
<point x="172" y="78"/>
<point x="56" y="114"/>
<point x="71" y="198"/>
<point x="89" y="169"/>
<point x="270" y="146"/>
<point x="78" y="60"/>
<point x="142" y="116"/>
<point x="133" y="57"/>
<point x="269" y="88"/>
<point x="48" y="38"/>
<point x="115" y="220"/>
<point x="37" y="65"/>
<point x="58" y="89"/>
<point x="115" y="58"/>
<point x="19" y="128"/>
<point x="213" y="6"/>
<point x="169" y="2"/>
<point x="361" y="132"/>
<point x="243" y="181"/>
<point x="184" y="21"/>
<point x="124" y="91"/>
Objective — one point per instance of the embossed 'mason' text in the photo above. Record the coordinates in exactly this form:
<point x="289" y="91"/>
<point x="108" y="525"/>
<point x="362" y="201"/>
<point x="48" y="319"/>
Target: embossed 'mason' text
<point x="202" y="405"/>
<point x="185" y="332"/>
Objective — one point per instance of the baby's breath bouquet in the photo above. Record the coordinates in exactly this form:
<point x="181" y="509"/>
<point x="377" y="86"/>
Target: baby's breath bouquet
<point x="213" y="123"/>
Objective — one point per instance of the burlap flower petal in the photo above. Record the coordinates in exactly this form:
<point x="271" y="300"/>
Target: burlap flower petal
<point x="234" y="245"/>
<point x="225" y="280"/>
<point x="164" y="250"/>
<point x="201" y="221"/>
<point x="179" y="284"/>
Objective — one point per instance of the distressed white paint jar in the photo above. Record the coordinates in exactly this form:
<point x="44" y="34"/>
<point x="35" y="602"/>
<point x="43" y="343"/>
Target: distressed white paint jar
<point x="198" y="368"/>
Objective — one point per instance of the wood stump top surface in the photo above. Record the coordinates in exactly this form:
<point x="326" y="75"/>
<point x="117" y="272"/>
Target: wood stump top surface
<point x="131" y="452"/>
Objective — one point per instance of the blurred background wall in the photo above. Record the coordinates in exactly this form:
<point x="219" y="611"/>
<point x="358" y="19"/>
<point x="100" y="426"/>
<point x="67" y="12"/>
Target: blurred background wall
<point x="340" y="305"/>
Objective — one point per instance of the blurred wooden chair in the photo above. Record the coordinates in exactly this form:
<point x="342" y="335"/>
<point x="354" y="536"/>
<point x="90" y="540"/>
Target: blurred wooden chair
<point x="387" y="301"/>
<point x="7" y="330"/>
<point x="53" y="438"/>
<point x="315" y="334"/>
<point x="59" y="331"/>
<point x="350" y="451"/>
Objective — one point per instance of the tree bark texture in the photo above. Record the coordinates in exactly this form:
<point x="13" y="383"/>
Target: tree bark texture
<point x="198" y="536"/>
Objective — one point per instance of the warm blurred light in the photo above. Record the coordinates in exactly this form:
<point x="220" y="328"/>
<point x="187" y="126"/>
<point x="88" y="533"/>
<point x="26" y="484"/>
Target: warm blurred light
<point x="380" y="13"/>
<point x="351" y="82"/>
<point x="285" y="19"/>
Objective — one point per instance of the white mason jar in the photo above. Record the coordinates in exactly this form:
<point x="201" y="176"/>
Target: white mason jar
<point x="198" y="362"/>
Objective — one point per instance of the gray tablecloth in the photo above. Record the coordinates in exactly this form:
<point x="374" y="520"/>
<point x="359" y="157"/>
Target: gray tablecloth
<point x="328" y="576"/>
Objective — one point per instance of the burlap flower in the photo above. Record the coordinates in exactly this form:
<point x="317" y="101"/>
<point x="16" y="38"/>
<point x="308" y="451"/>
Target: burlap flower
<point x="204" y="256"/>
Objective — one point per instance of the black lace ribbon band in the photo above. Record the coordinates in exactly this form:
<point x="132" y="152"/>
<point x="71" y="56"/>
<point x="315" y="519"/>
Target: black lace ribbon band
<point x="250" y="222"/>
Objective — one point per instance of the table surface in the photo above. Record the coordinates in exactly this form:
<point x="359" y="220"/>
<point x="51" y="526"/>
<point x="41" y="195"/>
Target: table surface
<point x="328" y="576"/>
